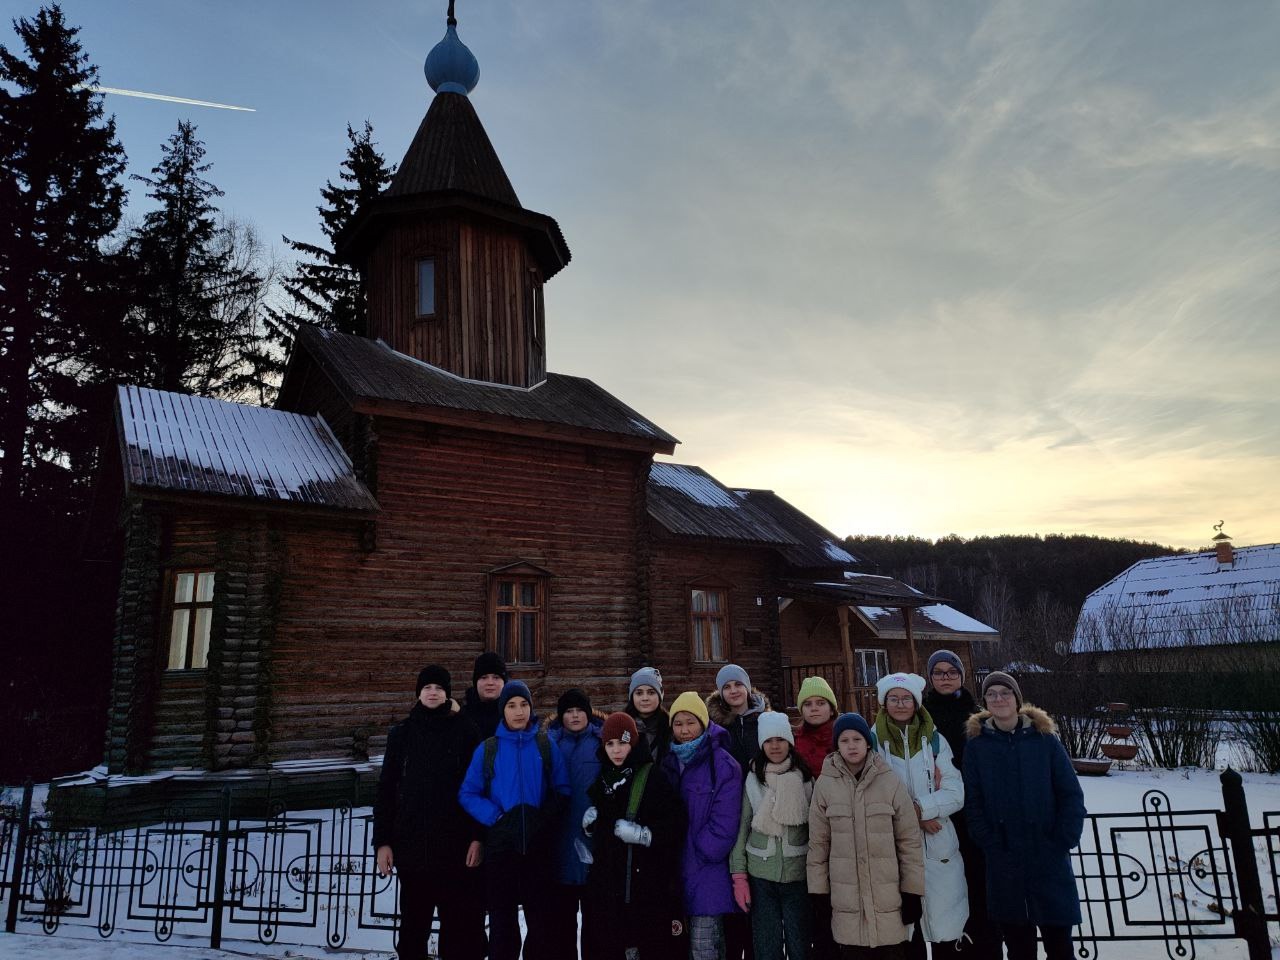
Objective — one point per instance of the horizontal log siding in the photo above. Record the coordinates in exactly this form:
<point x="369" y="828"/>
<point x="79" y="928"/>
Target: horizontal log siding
<point x="354" y="627"/>
<point x="179" y="721"/>
<point x="486" y="310"/>
<point x="748" y="572"/>
<point x="134" y="666"/>
<point x="177" y="730"/>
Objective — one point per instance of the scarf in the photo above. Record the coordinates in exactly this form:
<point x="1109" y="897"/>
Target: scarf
<point x="784" y="803"/>
<point x="684" y="751"/>
<point x="889" y="733"/>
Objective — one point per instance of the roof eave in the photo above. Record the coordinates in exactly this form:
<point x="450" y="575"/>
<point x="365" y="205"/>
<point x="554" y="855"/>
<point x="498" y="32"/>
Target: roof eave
<point x="451" y="416"/>
<point x="543" y="232"/>
<point x="251" y="504"/>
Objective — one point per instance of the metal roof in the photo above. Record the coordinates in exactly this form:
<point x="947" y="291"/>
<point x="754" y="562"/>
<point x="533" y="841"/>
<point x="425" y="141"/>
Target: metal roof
<point x="860" y="589"/>
<point x="1189" y="600"/>
<point x="371" y="370"/>
<point x="815" y="545"/>
<point x="173" y="442"/>
<point x="690" y="502"/>
<point x="936" y="621"/>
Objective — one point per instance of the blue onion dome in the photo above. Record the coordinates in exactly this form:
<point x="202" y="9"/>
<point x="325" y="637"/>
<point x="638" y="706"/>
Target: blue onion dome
<point x="451" y="67"/>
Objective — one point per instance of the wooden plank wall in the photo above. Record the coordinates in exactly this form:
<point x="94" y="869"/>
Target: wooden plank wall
<point x="355" y="627"/>
<point x="488" y="323"/>
<point x="749" y="572"/>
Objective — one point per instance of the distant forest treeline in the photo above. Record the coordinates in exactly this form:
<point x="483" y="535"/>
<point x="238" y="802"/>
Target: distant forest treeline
<point x="1029" y="587"/>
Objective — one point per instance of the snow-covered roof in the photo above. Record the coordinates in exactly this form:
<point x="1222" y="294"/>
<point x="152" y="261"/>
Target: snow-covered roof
<point x="176" y="443"/>
<point x="815" y="546"/>
<point x="935" y="621"/>
<point x="690" y="502"/>
<point x="1189" y="600"/>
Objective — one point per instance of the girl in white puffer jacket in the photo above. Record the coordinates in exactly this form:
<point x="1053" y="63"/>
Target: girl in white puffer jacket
<point x="904" y="735"/>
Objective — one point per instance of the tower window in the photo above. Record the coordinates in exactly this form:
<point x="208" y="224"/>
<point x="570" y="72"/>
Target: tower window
<point x="427" y="288"/>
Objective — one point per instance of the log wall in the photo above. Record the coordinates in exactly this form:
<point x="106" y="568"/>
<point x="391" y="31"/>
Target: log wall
<point x="355" y="626"/>
<point x="747" y="572"/>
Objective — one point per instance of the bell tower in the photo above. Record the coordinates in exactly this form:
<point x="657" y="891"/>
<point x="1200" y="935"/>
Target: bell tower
<point x="453" y="265"/>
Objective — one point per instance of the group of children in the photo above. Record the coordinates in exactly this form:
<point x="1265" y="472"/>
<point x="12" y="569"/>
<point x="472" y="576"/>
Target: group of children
<point x="712" y="829"/>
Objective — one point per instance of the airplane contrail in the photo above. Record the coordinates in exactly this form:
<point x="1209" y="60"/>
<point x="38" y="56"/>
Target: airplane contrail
<point x="98" y="88"/>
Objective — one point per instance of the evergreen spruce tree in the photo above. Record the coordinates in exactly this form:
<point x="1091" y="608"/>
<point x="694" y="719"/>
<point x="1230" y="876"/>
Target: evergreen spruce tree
<point x="194" y="296"/>
<point x="60" y="196"/>
<point x="322" y="289"/>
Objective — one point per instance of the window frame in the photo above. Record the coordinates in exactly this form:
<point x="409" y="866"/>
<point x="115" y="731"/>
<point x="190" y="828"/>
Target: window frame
<point x="695" y="617"/>
<point x="860" y="663"/>
<point x="519" y="574"/>
<point x="418" y="260"/>
<point x="172" y="608"/>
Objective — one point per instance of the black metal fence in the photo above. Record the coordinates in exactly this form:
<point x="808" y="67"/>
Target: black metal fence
<point x="306" y="880"/>
<point x="1176" y="877"/>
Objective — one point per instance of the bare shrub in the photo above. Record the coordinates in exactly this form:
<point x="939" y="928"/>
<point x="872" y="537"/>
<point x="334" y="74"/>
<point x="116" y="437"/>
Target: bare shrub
<point x="1258" y="750"/>
<point x="1178" y="737"/>
<point x="1072" y="699"/>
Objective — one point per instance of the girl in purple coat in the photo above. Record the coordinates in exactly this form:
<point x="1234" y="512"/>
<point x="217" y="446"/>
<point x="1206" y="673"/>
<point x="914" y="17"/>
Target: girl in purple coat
<point x="710" y="783"/>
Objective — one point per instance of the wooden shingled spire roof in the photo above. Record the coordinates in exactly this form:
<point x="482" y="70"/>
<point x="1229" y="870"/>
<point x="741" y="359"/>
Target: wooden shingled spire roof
<point x="452" y="151"/>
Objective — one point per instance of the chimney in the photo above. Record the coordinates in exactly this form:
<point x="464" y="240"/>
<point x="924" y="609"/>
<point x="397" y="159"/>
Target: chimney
<point x="1222" y="544"/>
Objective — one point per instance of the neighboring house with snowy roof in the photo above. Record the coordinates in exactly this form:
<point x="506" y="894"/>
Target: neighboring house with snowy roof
<point x="1219" y="607"/>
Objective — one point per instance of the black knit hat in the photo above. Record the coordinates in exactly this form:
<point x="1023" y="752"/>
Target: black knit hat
<point x="570" y="699"/>
<point x="489" y="662"/>
<point x="434" y="674"/>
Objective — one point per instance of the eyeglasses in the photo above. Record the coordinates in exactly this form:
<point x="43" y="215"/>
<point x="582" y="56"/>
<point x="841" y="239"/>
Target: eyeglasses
<point x="900" y="701"/>
<point x="946" y="675"/>
<point x="998" y="695"/>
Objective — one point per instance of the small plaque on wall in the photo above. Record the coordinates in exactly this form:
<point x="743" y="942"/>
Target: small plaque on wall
<point x="750" y="636"/>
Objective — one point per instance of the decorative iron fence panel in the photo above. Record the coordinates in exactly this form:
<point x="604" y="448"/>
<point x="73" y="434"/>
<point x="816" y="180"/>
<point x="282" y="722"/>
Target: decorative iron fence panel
<point x="1156" y="874"/>
<point x="306" y="880"/>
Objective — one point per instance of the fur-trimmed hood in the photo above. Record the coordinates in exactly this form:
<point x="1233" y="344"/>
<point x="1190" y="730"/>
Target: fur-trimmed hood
<point x="1032" y="716"/>
<point x="720" y="713"/>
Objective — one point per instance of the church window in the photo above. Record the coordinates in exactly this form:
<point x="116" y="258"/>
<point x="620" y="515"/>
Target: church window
<point x="427" y="287"/>
<point x="709" y="624"/>
<point x="190" y="616"/>
<point x="518" y="623"/>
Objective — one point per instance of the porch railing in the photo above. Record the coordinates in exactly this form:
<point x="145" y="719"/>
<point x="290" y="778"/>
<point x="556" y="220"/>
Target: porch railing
<point x="861" y="699"/>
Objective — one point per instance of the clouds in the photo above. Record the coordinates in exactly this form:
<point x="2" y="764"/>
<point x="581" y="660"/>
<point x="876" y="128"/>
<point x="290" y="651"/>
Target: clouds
<point x="920" y="267"/>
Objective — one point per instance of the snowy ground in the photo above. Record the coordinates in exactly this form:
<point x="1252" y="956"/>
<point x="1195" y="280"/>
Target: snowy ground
<point x="1122" y="792"/>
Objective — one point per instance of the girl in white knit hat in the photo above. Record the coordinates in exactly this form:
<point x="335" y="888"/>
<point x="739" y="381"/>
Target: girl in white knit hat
<point x="768" y="861"/>
<point x="904" y="734"/>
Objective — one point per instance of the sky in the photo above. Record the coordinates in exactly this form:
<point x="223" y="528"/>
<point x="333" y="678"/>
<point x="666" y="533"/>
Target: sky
<point x="921" y="268"/>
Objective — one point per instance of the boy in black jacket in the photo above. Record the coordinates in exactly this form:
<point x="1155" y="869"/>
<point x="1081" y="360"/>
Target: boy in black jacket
<point x="421" y="830"/>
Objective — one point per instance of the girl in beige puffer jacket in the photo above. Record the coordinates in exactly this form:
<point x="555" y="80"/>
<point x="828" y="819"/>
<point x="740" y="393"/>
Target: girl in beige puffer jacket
<point x="865" y="851"/>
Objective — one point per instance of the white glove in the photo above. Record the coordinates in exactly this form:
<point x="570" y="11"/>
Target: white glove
<point x="629" y="832"/>
<point x="588" y="820"/>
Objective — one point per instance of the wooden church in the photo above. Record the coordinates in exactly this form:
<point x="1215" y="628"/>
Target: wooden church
<point x="432" y="491"/>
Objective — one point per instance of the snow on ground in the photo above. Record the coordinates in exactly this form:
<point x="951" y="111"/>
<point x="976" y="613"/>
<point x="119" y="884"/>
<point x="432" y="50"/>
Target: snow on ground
<point x="1121" y="792"/>
<point x="37" y="947"/>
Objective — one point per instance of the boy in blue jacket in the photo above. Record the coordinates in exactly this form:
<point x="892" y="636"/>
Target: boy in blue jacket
<point x="517" y="786"/>
<point x="576" y="733"/>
